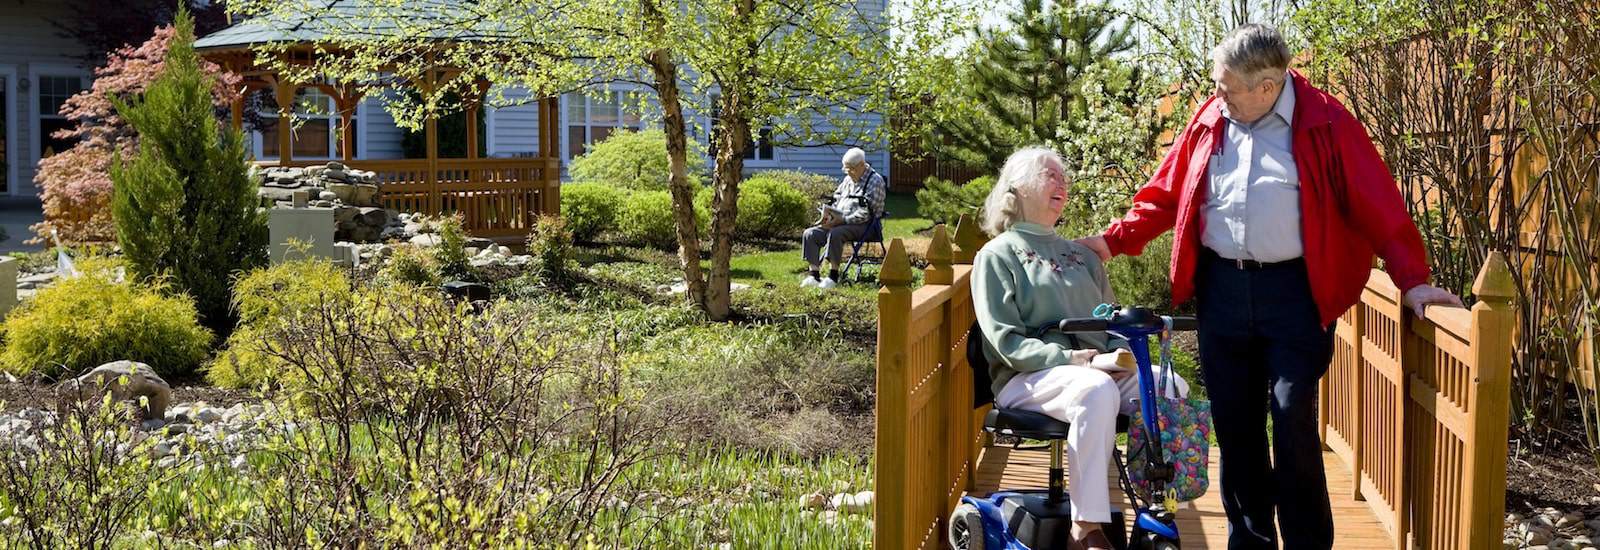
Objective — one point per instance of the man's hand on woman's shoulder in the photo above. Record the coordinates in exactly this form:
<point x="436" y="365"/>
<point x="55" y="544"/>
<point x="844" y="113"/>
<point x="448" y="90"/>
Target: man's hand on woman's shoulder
<point x="1098" y="245"/>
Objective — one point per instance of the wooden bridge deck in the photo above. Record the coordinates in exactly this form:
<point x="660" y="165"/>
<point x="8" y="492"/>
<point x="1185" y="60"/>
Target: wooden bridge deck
<point x="1201" y="523"/>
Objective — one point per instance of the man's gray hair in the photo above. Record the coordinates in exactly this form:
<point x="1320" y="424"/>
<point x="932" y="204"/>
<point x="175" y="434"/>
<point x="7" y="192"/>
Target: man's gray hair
<point x="1253" y="52"/>
<point x="855" y="157"/>
<point x="1024" y="169"/>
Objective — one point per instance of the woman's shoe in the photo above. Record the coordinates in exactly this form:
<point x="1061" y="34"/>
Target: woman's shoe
<point x="1093" y="540"/>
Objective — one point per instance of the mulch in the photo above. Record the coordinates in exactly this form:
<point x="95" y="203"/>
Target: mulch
<point x="1554" y="470"/>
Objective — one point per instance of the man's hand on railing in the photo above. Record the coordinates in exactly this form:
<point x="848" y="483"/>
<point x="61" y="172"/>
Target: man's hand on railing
<point x="1419" y="297"/>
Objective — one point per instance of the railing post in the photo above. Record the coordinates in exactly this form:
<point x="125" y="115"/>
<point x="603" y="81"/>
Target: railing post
<point x="1358" y="335"/>
<point x="939" y="257"/>
<point x="953" y="384"/>
<point x="1489" y="403"/>
<point x="892" y="472"/>
<point x="968" y="241"/>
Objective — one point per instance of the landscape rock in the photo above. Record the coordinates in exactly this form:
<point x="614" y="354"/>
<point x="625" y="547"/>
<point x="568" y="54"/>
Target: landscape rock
<point x="207" y="415"/>
<point x="343" y="191"/>
<point x="331" y="186"/>
<point x="125" y="381"/>
<point x="364" y="195"/>
<point x="426" y="240"/>
<point x="813" y="501"/>
<point x="275" y="194"/>
<point x="372" y="216"/>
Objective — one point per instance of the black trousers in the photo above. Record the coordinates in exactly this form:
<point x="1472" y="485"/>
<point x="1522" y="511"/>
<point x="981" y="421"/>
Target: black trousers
<point x="1263" y="348"/>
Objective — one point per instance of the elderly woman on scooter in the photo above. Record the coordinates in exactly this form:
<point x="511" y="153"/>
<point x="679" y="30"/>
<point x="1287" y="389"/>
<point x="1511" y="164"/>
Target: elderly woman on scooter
<point x="1026" y="278"/>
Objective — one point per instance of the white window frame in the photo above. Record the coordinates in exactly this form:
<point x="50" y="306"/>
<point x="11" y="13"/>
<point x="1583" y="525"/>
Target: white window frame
<point x="619" y="92"/>
<point x="488" y="130"/>
<point x="9" y="73"/>
<point x="360" y="122"/>
<point x="35" y="72"/>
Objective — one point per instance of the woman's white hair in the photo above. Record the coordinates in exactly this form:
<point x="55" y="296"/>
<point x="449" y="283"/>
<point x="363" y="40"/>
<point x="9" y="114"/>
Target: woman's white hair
<point x="1024" y="169"/>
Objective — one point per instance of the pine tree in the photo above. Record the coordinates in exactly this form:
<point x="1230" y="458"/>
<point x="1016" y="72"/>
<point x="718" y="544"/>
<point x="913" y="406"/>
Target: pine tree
<point x="184" y="206"/>
<point x="1026" y="79"/>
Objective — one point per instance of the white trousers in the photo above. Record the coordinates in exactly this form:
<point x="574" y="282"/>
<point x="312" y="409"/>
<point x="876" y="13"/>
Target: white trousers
<point x="1089" y="400"/>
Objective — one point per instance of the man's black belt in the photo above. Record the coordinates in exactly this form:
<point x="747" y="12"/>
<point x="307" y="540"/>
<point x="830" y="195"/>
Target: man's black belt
<point x="1248" y="265"/>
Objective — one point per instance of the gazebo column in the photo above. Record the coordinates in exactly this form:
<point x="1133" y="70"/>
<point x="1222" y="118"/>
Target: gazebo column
<point x="474" y="106"/>
<point x="549" y="145"/>
<point x="472" y="130"/>
<point x="236" y="109"/>
<point x="348" y="100"/>
<point x="431" y="131"/>
<point x="283" y="92"/>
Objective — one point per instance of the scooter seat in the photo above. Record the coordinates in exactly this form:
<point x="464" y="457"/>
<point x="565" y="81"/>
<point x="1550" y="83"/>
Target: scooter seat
<point x="1033" y="425"/>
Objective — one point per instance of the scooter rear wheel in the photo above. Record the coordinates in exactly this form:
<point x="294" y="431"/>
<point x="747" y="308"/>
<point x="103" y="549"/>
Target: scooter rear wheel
<point x="966" y="528"/>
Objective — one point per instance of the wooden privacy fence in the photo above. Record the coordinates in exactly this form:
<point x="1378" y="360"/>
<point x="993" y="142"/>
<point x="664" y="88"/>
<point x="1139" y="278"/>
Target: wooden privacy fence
<point x="496" y="197"/>
<point x="1418" y="409"/>
<point x="928" y="436"/>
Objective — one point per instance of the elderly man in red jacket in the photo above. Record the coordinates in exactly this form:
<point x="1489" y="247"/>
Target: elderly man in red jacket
<point x="1278" y="201"/>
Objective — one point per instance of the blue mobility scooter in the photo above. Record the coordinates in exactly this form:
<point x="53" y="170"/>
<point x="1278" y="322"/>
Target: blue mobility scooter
<point x="1042" y="519"/>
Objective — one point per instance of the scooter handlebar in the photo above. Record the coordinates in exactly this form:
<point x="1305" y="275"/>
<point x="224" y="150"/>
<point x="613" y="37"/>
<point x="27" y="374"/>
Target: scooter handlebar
<point x="1184" y="323"/>
<point x="1085" y="324"/>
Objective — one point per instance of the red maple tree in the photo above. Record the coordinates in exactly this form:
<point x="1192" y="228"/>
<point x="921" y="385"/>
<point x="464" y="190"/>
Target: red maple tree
<point x="75" y="185"/>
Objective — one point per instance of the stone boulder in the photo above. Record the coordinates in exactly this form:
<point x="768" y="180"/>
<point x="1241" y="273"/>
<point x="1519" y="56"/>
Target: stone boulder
<point x="125" y="381"/>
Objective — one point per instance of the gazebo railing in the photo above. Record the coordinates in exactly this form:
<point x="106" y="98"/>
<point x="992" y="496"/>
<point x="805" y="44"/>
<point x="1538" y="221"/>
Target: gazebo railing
<point x="496" y="197"/>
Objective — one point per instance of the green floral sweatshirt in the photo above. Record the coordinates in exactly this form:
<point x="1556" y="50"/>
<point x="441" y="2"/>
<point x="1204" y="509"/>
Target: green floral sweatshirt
<point x="1028" y="278"/>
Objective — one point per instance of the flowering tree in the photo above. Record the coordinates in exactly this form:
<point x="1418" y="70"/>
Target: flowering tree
<point x="75" y="185"/>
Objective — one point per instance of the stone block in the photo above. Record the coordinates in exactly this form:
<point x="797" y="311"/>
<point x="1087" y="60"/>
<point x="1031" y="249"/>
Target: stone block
<point x="311" y="227"/>
<point x="8" y="284"/>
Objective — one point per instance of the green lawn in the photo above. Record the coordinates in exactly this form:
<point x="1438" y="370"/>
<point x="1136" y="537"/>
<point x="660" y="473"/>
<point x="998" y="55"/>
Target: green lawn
<point x="787" y="267"/>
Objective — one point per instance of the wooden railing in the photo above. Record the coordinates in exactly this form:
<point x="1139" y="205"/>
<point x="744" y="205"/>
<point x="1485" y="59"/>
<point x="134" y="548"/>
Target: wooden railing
<point x="1422" y="421"/>
<point x="928" y="437"/>
<point x="1418" y="410"/>
<point x="497" y="197"/>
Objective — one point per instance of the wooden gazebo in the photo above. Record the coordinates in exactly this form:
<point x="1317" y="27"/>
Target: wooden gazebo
<point x="497" y="198"/>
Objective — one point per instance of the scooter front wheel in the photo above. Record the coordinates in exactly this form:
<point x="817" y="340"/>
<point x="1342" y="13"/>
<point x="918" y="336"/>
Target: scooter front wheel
<point x="966" y="528"/>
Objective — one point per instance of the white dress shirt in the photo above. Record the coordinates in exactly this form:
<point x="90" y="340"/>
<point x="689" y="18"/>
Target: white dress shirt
<point x="1252" y="208"/>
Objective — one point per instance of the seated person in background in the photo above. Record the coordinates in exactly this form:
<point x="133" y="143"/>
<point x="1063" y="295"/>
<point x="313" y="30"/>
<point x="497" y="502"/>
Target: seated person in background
<point x="857" y="200"/>
<point x="1026" y="278"/>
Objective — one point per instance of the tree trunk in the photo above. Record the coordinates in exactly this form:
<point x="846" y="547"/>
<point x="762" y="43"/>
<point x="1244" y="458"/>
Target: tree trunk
<point x="734" y="119"/>
<point x="672" y="123"/>
<point x="731" y="144"/>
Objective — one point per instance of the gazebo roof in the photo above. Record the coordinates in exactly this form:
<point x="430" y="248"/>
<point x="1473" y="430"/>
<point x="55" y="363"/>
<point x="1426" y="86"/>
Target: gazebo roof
<point x="356" y="19"/>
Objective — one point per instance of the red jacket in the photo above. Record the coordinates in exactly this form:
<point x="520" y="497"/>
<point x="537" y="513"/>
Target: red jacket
<point x="1350" y="205"/>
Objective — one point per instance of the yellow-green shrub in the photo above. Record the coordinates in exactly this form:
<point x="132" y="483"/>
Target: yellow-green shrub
<point x="82" y="322"/>
<point x="768" y="208"/>
<point x="646" y="218"/>
<point x="264" y="298"/>
<point x="589" y="208"/>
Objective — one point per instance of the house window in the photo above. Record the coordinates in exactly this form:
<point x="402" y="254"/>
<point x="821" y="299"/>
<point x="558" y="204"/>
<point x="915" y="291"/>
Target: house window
<point x="760" y="149"/>
<point x="315" y="134"/>
<point x="591" y="120"/>
<point x="53" y="91"/>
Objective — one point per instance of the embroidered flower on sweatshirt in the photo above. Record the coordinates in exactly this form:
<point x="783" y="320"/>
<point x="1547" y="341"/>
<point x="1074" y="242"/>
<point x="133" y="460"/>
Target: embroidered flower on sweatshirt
<point x="1074" y="258"/>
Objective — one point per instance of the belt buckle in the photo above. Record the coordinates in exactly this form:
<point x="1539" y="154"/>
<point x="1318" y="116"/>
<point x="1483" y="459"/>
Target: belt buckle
<point x="1239" y="262"/>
